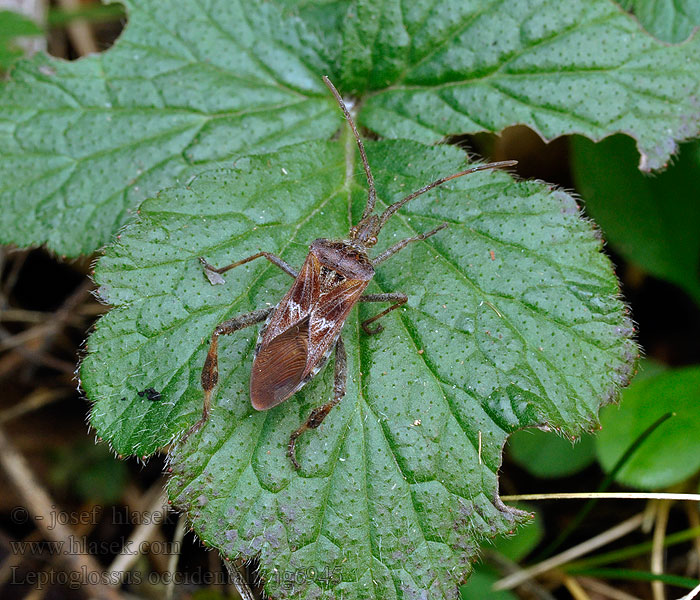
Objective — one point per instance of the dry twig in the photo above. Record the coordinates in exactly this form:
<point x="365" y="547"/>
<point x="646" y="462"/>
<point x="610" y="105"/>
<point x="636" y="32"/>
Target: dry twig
<point x="79" y="30"/>
<point x="156" y="512"/>
<point x="594" y="543"/>
<point x="42" y="507"/>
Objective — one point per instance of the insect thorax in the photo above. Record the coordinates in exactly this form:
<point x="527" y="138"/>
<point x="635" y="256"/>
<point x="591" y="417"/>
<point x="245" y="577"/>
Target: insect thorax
<point x="341" y="260"/>
<point x="329" y="279"/>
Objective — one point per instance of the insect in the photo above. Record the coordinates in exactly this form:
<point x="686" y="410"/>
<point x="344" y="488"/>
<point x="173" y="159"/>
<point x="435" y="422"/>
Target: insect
<point x="302" y="330"/>
<point x="151" y="394"/>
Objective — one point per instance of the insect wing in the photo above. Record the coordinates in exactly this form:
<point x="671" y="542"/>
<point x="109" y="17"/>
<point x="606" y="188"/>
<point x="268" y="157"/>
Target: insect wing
<point x="300" y="334"/>
<point x="278" y="369"/>
<point x="327" y="319"/>
<point x="280" y="360"/>
<point x="297" y="302"/>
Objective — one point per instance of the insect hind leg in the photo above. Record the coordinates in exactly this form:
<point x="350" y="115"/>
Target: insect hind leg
<point x="210" y="371"/>
<point x="214" y="274"/>
<point x="319" y="413"/>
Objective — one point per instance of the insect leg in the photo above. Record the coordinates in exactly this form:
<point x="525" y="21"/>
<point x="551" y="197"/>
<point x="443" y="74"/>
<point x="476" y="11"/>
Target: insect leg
<point x="398" y="297"/>
<point x="403" y="243"/>
<point x="210" y="371"/>
<point x="213" y="273"/>
<point x="321" y="412"/>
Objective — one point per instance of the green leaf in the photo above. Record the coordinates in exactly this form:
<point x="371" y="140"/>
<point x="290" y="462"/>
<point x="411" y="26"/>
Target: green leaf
<point x="191" y="84"/>
<point x="480" y="586"/>
<point x="669" y="20"/>
<point x="559" y="67"/>
<point x="93" y="13"/>
<point x="651" y="221"/>
<point x="648" y="367"/>
<point x="546" y="454"/>
<point x="12" y="26"/>
<point x="187" y="86"/>
<point x="512" y="321"/>
<point x="670" y="454"/>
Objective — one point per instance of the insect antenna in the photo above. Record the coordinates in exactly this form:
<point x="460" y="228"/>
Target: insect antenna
<point x="394" y="207"/>
<point x="375" y="225"/>
<point x="372" y="197"/>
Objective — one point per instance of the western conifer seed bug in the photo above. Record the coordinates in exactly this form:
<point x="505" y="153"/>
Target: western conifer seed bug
<point x="300" y="332"/>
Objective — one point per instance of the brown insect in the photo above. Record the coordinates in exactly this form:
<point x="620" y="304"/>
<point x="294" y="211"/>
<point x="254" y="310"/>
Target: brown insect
<point x="305" y="326"/>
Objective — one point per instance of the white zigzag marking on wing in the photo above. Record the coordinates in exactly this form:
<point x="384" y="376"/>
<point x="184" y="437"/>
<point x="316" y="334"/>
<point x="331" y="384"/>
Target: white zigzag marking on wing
<point x="294" y="311"/>
<point x="322" y="324"/>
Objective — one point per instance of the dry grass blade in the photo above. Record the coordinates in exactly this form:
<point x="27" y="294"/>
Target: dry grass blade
<point x="694" y="593"/>
<point x="574" y="587"/>
<point x="657" y="553"/>
<point x="605" y="495"/>
<point x="602" y="539"/>
<point x="603" y="589"/>
<point x="42" y="506"/>
<point x="79" y="31"/>
<point x="172" y="562"/>
<point x="143" y="533"/>
<point x="34" y="401"/>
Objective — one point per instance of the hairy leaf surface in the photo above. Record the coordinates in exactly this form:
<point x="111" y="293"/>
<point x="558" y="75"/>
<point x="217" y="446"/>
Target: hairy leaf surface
<point x="559" y="67"/>
<point x="513" y="320"/>
<point x="669" y="20"/>
<point x="193" y="83"/>
<point x="189" y="84"/>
